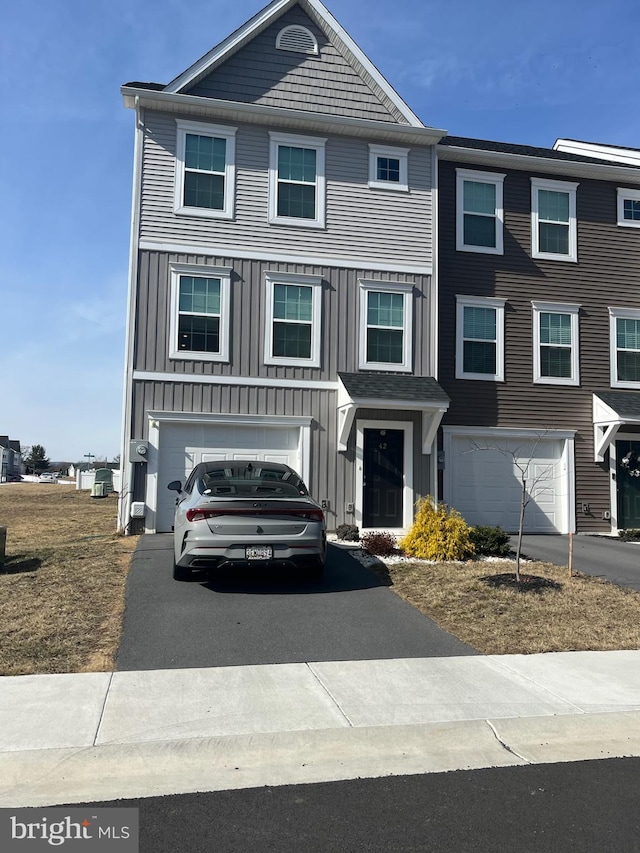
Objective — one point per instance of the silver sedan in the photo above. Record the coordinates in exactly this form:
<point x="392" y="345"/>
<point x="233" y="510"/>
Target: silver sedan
<point x="246" y="513"/>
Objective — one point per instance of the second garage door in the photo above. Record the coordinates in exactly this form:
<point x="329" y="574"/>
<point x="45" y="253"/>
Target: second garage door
<point x="182" y="446"/>
<point x="484" y="483"/>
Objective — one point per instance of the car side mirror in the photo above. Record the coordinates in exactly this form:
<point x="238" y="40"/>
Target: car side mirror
<point x="175" y="486"/>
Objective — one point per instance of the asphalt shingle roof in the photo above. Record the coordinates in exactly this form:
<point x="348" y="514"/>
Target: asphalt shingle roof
<point x="523" y="150"/>
<point x="394" y="386"/>
<point x="625" y="403"/>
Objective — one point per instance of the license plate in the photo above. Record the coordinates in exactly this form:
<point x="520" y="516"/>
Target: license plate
<point x="259" y="553"/>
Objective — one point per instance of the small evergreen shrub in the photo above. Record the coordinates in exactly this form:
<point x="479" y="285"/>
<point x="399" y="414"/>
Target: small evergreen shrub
<point x="490" y="541"/>
<point x="348" y="533"/>
<point x="380" y="544"/>
<point x="632" y="534"/>
<point x="438" y="533"/>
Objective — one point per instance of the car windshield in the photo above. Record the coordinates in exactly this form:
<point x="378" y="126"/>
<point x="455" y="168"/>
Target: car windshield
<point x="248" y="480"/>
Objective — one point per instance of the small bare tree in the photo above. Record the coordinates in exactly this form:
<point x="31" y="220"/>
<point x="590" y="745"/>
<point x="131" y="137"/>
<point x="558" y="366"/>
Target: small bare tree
<point x="523" y="457"/>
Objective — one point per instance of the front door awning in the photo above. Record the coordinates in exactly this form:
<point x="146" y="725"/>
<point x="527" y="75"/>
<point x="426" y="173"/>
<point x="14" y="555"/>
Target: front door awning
<point x="611" y="410"/>
<point x="390" y="391"/>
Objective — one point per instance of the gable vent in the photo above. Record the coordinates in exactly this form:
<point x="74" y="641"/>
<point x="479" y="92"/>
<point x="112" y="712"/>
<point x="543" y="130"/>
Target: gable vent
<point x="298" y="39"/>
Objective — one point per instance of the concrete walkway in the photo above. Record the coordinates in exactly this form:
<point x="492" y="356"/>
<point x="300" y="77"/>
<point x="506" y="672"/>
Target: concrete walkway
<point x="103" y="736"/>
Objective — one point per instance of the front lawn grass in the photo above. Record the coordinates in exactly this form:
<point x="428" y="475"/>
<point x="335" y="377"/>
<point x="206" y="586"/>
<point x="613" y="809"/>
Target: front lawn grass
<point x="559" y="613"/>
<point x="62" y="585"/>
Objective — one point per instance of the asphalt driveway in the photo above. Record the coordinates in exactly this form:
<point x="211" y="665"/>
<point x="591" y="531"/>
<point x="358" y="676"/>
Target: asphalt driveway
<point x="236" y="620"/>
<point x="603" y="556"/>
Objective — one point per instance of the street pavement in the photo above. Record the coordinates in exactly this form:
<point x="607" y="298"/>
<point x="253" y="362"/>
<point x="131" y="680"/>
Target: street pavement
<point x="583" y="807"/>
<point x="605" y="557"/>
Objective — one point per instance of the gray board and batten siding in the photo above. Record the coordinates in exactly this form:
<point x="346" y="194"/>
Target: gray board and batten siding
<point x="361" y="222"/>
<point x="606" y="274"/>
<point x="339" y="318"/>
<point x="332" y="473"/>
<point x="259" y="73"/>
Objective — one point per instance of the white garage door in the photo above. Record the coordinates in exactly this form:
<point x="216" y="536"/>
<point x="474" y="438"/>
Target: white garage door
<point x="182" y="446"/>
<point x="484" y="484"/>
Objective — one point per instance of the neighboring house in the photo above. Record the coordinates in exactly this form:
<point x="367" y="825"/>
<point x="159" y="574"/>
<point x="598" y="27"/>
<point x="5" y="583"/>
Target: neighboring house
<point x="282" y="297"/>
<point x="539" y="255"/>
<point x="10" y="459"/>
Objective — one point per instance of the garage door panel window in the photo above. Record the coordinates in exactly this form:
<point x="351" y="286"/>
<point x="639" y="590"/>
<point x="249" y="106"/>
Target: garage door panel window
<point x="480" y="339"/>
<point x="199" y="327"/>
<point x="555" y="345"/>
<point x="625" y="347"/>
<point x="293" y="331"/>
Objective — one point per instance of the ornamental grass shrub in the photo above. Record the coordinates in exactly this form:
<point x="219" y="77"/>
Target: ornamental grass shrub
<point x="438" y="533"/>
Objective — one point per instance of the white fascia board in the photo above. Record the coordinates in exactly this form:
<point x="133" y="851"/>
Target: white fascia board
<point x="242" y="253"/>
<point x="282" y="117"/>
<point x="413" y="405"/>
<point x="213" y="418"/>
<point x="604" y="172"/>
<point x="248" y="381"/>
<point x="613" y="153"/>
<point x="229" y="45"/>
<point x="510" y="432"/>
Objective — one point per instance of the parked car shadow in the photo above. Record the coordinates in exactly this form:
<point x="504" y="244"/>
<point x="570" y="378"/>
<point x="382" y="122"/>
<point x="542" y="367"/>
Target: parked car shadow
<point x="19" y="563"/>
<point x="342" y="573"/>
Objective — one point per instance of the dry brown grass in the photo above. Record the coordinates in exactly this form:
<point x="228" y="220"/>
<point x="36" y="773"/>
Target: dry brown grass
<point x="62" y="587"/>
<point x="584" y="613"/>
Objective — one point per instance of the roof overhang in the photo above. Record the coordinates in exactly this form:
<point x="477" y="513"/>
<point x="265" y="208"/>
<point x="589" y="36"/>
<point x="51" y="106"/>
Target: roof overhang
<point x="607" y="421"/>
<point x="506" y="160"/>
<point x="237" y="111"/>
<point x="349" y="402"/>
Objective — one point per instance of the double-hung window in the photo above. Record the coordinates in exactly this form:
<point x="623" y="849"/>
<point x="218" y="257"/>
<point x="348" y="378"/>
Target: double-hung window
<point x="386" y="326"/>
<point x="553" y="220"/>
<point x="199" y="321"/>
<point x="479" y="212"/>
<point x="625" y="347"/>
<point x="555" y="343"/>
<point x="296" y="180"/>
<point x="629" y="208"/>
<point x="205" y="170"/>
<point x="293" y="318"/>
<point x="388" y="168"/>
<point x="480" y="338"/>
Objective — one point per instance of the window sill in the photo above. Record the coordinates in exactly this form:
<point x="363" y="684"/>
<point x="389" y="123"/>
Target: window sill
<point x="184" y="355"/>
<point x="203" y="213"/>
<point x="296" y="223"/>
<point x="543" y="256"/>
<point x="388" y="185"/>
<point x="480" y="250"/>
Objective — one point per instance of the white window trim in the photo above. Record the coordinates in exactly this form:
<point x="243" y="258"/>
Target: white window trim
<point x="199" y="271"/>
<point x="614" y="315"/>
<point x="313" y="281"/>
<point x="560" y="187"/>
<point x="623" y="194"/>
<point x="495" y="178"/>
<point x="463" y="302"/>
<point x="400" y="154"/>
<point x="556" y="308"/>
<point x="369" y="286"/>
<point x="201" y="129"/>
<point x="277" y="139"/>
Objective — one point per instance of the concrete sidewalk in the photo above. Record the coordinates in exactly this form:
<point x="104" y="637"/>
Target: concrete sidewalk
<point x="102" y="736"/>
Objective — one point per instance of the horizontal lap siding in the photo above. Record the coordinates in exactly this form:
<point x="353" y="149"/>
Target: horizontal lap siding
<point x="340" y="319"/>
<point x="260" y="74"/>
<point x="606" y="275"/>
<point x="379" y="225"/>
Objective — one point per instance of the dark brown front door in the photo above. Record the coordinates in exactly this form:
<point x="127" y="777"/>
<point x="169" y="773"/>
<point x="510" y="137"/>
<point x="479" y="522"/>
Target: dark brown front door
<point x="383" y="478"/>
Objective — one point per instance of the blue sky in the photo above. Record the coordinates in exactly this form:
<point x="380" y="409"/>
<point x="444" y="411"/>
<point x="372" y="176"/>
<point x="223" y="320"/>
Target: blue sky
<point x="519" y="71"/>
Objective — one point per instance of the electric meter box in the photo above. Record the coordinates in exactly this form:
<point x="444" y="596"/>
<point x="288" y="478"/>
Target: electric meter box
<point x="138" y="451"/>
